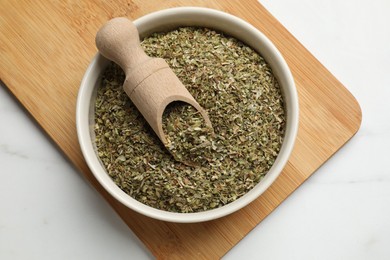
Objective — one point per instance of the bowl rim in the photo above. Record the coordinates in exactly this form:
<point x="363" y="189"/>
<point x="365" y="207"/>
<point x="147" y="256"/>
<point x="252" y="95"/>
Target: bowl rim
<point x="83" y="128"/>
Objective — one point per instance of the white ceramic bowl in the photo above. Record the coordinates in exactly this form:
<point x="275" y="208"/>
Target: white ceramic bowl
<point x="170" y="19"/>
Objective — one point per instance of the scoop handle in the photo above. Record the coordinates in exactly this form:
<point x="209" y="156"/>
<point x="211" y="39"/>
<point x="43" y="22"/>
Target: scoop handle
<point x="150" y="83"/>
<point x="118" y="40"/>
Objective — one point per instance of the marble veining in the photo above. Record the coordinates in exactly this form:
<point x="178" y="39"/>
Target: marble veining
<point x="4" y="149"/>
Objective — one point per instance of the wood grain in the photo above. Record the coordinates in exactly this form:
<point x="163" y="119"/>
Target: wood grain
<point x="46" y="46"/>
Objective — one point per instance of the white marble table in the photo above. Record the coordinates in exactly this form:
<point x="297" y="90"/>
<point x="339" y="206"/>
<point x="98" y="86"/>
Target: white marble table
<point x="47" y="210"/>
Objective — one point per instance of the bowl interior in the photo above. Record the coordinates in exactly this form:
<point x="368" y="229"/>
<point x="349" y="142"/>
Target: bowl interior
<point x="164" y="21"/>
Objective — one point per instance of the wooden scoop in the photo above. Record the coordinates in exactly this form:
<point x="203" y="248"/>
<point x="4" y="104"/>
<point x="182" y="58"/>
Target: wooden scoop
<point x="150" y="83"/>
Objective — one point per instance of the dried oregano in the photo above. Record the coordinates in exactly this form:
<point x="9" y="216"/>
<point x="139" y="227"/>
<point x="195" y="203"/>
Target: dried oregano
<point x="244" y="103"/>
<point x="189" y="139"/>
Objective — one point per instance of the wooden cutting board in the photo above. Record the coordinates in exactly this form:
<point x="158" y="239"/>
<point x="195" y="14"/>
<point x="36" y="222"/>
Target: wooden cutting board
<point x="45" y="47"/>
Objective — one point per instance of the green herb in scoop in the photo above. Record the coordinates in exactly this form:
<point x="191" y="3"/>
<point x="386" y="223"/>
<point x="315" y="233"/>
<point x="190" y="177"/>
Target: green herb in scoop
<point x="189" y="140"/>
